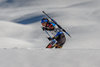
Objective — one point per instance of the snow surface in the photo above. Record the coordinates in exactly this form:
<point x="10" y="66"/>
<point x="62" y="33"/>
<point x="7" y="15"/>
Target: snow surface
<point x="22" y="42"/>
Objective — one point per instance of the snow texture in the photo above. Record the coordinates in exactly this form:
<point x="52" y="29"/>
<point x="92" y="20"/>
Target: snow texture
<point x="22" y="41"/>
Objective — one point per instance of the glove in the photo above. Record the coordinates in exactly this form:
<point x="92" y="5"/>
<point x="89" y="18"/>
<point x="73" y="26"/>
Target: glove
<point x="43" y="28"/>
<point x="49" y="38"/>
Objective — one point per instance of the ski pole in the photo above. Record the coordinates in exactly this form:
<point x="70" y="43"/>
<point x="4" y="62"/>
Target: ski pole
<point x="47" y="33"/>
<point x="51" y="37"/>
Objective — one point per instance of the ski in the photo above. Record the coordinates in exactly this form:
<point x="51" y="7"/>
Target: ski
<point x="56" y="23"/>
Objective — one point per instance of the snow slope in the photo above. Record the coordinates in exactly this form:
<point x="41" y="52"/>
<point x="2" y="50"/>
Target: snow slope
<point x="49" y="58"/>
<point x="22" y="42"/>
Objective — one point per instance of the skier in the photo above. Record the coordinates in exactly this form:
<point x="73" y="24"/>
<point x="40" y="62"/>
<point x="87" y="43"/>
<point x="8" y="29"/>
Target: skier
<point x="57" y="33"/>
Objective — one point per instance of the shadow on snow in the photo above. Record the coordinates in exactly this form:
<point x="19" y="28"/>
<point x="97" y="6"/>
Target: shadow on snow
<point x="28" y="20"/>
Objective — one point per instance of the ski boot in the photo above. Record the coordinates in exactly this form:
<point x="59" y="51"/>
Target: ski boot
<point x="50" y="46"/>
<point x="57" y="46"/>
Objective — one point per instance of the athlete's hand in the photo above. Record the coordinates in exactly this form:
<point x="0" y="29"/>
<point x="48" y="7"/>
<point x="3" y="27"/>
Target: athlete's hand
<point x="49" y="38"/>
<point x="43" y="28"/>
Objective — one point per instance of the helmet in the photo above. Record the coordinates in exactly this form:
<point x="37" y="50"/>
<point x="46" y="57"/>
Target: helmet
<point x="44" y="20"/>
